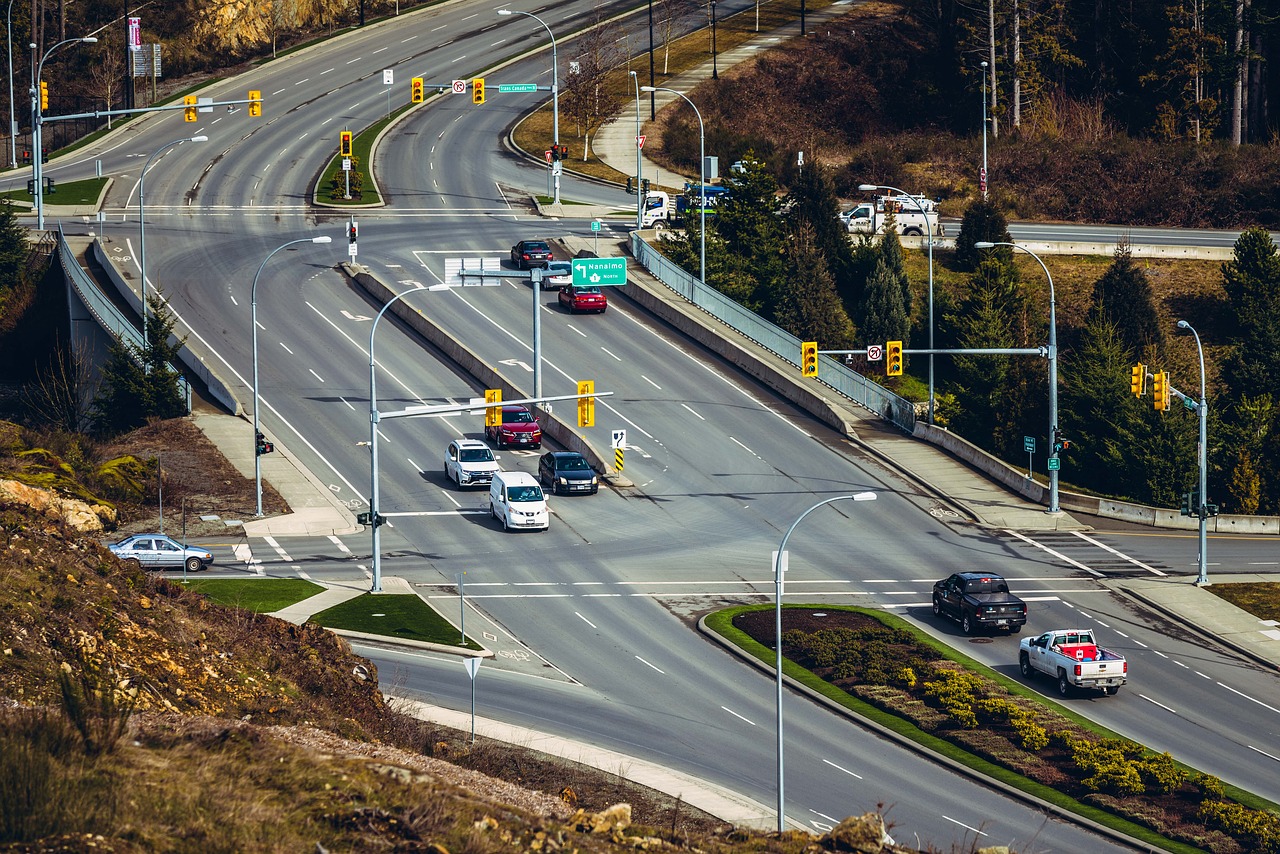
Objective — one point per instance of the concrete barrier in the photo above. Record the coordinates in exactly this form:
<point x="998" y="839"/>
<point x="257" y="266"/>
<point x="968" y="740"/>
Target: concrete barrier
<point x="461" y="355"/>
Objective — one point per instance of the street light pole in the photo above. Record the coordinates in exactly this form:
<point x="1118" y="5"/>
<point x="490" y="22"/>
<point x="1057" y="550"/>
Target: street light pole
<point x="778" y="571"/>
<point x="983" y="180"/>
<point x="1053" y="369"/>
<point x="635" y="78"/>
<point x="142" y="222"/>
<point x="715" y="74"/>
<point x="867" y="188"/>
<point x="1202" y="412"/>
<point x="253" y="313"/>
<point x="37" y="121"/>
<point x="13" y="122"/>
<point x="555" y="95"/>
<point x="702" y="180"/>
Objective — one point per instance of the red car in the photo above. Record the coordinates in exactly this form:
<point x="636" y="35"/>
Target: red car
<point x="518" y="427"/>
<point x="578" y="298"/>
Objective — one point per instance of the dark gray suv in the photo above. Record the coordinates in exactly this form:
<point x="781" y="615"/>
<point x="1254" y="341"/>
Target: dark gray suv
<point x="567" y="472"/>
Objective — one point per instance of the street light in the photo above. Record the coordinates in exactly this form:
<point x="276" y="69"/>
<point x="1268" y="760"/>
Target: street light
<point x="555" y="95"/>
<point x="635" y="78"/>
<point x="983" y="181"/>
<point x="1053" y="369"/>
<point x="1202" y="411"/>
<point x="868" y="188"/>
<point x="253" y="312"/>
<point x="778" y="571"/>
<point x="374" y="521"/>
<point x="142" y="223"/>
<point x="37" y="120"/>
<point x="13" y="122"/>
<point x="715" y="75"/>
<point x="702" y="179"/>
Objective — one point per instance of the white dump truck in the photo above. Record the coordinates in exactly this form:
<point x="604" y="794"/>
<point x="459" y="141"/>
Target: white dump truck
<point x="913" y="216"/>
<point x="1073" y="657"/>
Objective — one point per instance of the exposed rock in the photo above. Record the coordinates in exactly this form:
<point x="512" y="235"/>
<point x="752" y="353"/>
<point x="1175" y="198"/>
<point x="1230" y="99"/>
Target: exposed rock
<point x="75" y="514"/>
<point x="616" y="817"/>
<point x="863" y="834"/>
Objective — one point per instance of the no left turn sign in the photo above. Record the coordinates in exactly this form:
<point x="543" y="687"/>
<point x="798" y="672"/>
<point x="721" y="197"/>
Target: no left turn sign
<point x="875" y="353"/>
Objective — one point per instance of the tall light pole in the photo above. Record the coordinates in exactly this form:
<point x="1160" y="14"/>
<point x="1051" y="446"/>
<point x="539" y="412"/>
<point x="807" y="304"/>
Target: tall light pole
<point x="702" y="180"/>
<point x="983" y="177"/>
<point x="1202" y="412"/>
<point x="778" y="570"/>
<point x="635" y="78"/>
<point x="142" y="224"/>
<point x="869" y="188"/>
<point x="555" y="95"/>
<point x="37" y="120"/>
<point x="374" y="522"/>
<point x="253" y="313"/>
<point x="1053" y="373"/>
<point x="13" y="122"/>
<point x="715" y="74"/>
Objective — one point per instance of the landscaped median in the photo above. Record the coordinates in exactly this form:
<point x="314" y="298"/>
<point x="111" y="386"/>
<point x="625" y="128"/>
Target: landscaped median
<point x="881" y="668"/>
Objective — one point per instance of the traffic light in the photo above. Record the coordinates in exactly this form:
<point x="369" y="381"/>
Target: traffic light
<point x="493" y="412"/>
<point x="893" y="359"/>
<point x="559" y="152"/>
<point x="477" y="90"/>
<point x="44" y="96"/>
<point x="564" y="152"/>
<point x="1138" y="379"/>
<point x="644" y="186"/>
<point x="1186" y="504"/>
<point x="416" y="96"/>
<point x="189" y="111"/>
<point x="255" y="102"/>
<point x="809" y="358"/>
<point x="263" y="446"/>
<point x="353" y="231"/>
<point x="631" y="186"/>
<point x="374" y="519"/>
<point x="344" y="143"/>
<point x="1160" y="391"/>
<point x="586" y="405"/>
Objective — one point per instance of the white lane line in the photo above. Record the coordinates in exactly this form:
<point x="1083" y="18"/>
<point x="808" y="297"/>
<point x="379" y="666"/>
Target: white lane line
<point x="244" y="554"/>
<point x="1159" y="653"/>
<point x="342" y="547"/>
<point x="1156" y="703"/>
<point x="1251" y="699"/>
<point x="1202" y="675"/>
<point x="234" y="301"/>
<point x="838" y="768"/>
<point x="326" y="71"/>
<point x="585" y="620"/>
<point x="1104" y="625"/>
<point x="1120" y="633"/>
<point x="611" y="354"/>
<point x="286" y="348"/>
<point x="736" y="715"/>
<point x="365" y="352"/>
<point x="302" y="574"/>
<point x="416" y="467"/>
<point x="317" y="376"/>
<point x="1077" y="564"/>
<point x="303" y="80"/>
<point x="357" y="59"/>
<point x="1107" y="548"/>
<point x="1141" y="644"/>
<point x="965" y="826"/>
<point x="642" y="661"/>
<point x="686" y="406"/>
<point x="651" y="382"/>
<point x="347" y="402"/>
<point x="576" y="329"/>
<point x="271" y="541"/>
<point x="380" y="50"/>
<point x="1263" y="752"/>
<point x="744" y="447"/>
<point x="1180" y="664"/>
<point x="449" y="496"/>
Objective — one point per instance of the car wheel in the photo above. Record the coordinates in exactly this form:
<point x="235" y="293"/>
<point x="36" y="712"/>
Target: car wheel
<point x="194" y="564"/>
<point x="505" y="526"/>
<point x="967" y="625"/>
<point x="493" y="514"/>
<point x="1024" y="664"/>
<point x="1111" y="691"/>
<point x="133" y="563"/>
<point x="1064" y="686"/>
<point x="1013" y="630"/>
<point x="937" y="607"/>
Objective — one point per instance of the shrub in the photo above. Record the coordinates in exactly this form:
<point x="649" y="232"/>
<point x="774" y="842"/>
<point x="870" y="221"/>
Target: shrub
<point x="1259" y="829"/>
<point x="1108" y="766"/>
<point x="1209" y="786"/>
<point x="956" y="693"/>
<point x="1159" y="772"/>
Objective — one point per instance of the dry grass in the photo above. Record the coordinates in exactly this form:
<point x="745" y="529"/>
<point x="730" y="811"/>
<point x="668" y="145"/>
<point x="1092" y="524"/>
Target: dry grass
<point x="1258" y="598"/>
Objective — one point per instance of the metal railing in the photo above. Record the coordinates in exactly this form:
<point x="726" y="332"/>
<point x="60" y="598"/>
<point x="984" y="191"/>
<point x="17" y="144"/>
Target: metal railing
<point x="834" y="373"/>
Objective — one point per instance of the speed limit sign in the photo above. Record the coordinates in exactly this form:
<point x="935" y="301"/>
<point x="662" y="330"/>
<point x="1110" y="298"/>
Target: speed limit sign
<point x="875" y="353"/>
<point x="459" y="87"/>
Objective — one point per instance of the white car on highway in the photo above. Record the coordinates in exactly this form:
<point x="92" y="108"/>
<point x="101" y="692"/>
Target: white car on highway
<point x="469" y="462"/>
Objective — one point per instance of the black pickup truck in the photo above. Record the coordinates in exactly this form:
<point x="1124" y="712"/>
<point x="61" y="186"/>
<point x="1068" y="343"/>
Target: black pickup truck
<point x="979" y="600"/>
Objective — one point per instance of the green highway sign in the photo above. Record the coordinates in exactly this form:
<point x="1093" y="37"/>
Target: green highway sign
<point x="517" y="87"/>
<point x="1054" y="463"/>
<point x="599" y="271"/>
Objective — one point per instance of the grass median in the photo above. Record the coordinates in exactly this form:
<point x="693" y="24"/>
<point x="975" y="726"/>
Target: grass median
<point x="264" y="596"/>
<point x="400" y="616"/>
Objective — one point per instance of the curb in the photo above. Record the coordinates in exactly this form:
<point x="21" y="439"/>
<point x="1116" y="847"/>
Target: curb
<point x="443" y="648"/>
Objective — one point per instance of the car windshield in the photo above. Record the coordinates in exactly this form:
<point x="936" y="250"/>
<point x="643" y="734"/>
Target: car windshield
<point x="535" y="246"/>
<point x="524" y="493"/>
<point x="521" y="417"/>
<point x="559" y="269"/>
<point x="475" y="455"/>
<point x="571" y="464"/>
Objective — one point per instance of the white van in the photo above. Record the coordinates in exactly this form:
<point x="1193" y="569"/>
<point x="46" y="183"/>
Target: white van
<point x="516" y="500"/>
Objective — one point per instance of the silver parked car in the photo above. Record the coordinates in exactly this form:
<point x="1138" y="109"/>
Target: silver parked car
<point x="156" y="551"/>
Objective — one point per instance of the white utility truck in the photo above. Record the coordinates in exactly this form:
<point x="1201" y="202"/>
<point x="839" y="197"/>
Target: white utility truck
<point x="913" y="216"/>
<point x="1073" y="657"/>
<point x="656" y="211"/>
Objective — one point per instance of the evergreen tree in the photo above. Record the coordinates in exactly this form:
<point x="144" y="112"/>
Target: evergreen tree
<point x="1123" y="298"/>
<point x="138" y="382"/>
<point x="1252" y="283"/>
<point x="807" y="305"/>
<point x="749" y="236"/>
<point x="891" y="252"/>
<point x="813" y="200"/>
<point x="13" y="266"/>
<point x="883" y="318"/>
<point x="982" y="222"/>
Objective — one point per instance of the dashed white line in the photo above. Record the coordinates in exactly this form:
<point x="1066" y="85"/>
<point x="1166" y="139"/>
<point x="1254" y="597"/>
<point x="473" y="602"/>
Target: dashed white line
<point x="686" y="406"/>
<point x="744" y="447"/>
<point x="607" y="351"/>
<point x="326" y="71"/>
<point x="286" y="347"/>
<point x="1156" y="703"/>
<point x="1159" y="653"/>
<point x="838" y="768"/>
<point x="1105" y="547"/>
<point x="965" y="826"/>
<point x="1263" y="752"/>
<point x="416" y="467"/>
<point x="585" y="620"/>
<point x="651" y="382"/>
<point x="1251" y="699"/>
<point x="1202" y="675"/>
<point x="1180" y="664"/>
<point x="736" y="715"/>
<point x="642" y="661"/>
<point x="347" y="402"/>
<point x="317" y="376"/>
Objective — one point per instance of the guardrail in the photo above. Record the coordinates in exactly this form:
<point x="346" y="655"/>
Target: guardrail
<point x="833" y="373"/>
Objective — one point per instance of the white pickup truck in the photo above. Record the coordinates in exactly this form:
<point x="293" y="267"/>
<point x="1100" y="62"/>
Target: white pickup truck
<point x="1073" y="657"/>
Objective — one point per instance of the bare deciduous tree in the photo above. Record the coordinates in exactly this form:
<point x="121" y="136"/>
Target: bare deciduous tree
<point x="62" y="395"/>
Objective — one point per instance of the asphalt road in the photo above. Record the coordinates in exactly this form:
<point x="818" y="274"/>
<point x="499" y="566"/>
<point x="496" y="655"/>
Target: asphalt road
<point x="602" y="603"/>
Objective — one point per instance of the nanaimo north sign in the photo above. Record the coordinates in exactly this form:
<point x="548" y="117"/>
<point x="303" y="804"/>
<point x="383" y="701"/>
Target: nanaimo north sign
<point x="599" y="271"/>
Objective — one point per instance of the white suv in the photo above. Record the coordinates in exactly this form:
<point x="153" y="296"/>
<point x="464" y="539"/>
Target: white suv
<point x="469" y="462"/>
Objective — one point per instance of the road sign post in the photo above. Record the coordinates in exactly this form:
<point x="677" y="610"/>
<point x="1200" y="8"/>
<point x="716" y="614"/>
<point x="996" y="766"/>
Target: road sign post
<point x="1029" y="445"/>
<point x="599" y="271"/>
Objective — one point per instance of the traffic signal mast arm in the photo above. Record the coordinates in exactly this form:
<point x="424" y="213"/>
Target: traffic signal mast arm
<point x="182" y="106"/>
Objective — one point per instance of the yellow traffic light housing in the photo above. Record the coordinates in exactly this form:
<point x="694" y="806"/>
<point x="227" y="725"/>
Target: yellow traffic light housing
<point x="586" y="405"/>
<point x="493" y="413"/>
<point x="416" y="95"/>
<point x="189" y="110"/>
<point x="44" y="95"/>
<point x="344" y="143"/>
<point x="477" y="90"/>
<point x="255" y="102"/>
<point x="1138" y="380"/>
<point x="893" y="359"/>
<point x="809" y="359"/>
<point x="1160" y="391"/>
